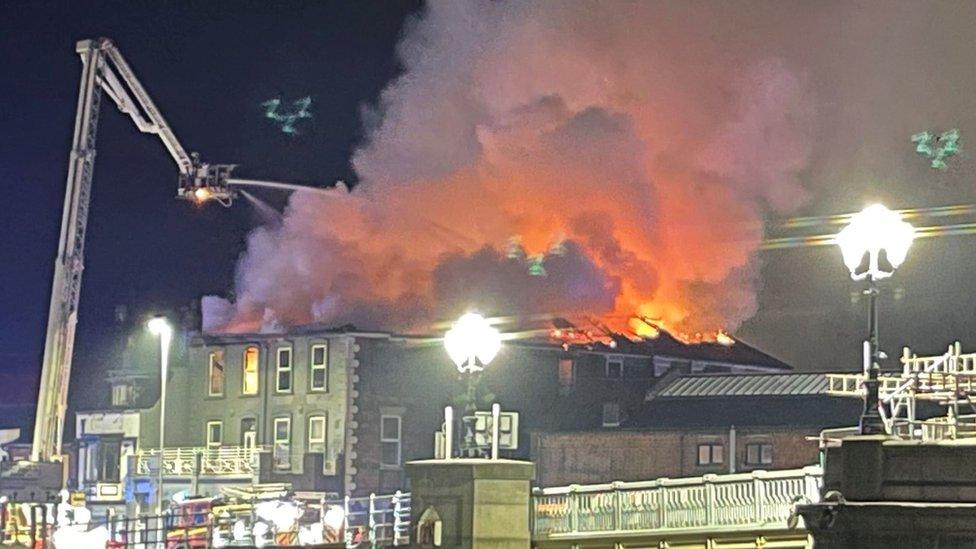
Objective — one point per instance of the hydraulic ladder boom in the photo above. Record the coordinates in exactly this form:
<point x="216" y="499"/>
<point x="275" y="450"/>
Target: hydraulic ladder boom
<point x="103" y="70"/>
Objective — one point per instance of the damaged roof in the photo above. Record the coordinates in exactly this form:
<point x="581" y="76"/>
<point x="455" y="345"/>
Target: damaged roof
<point x="538" y="333"/>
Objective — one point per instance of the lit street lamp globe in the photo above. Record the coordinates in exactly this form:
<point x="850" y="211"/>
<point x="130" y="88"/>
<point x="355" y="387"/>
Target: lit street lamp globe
<point x="158" y="326"/>
<point x="871" y="231"/>
<point x="472" y="340"/>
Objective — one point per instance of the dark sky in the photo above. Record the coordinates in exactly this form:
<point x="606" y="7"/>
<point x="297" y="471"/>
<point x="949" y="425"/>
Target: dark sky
<point x="208" y="68"/>
<point x="879" y="72"/>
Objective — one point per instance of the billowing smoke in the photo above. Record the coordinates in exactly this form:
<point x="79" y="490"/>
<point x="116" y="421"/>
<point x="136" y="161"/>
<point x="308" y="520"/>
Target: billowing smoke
<point x="575" y="157"/>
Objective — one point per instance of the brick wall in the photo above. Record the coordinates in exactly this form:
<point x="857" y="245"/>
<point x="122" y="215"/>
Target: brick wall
<point x="605" y="456"/>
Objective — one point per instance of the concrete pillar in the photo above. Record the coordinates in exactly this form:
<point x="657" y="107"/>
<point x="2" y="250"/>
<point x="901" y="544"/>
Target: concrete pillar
<point x="479" y="503"/>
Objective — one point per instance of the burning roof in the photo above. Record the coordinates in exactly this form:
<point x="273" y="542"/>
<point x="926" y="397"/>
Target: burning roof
<point x="534" y="158"/>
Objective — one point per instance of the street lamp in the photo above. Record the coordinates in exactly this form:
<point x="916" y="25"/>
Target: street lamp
<point x="874" y="244"/>
<point x="160" y="327"/>
<point x="470" y="340"/>
<point x="471" y="343"/>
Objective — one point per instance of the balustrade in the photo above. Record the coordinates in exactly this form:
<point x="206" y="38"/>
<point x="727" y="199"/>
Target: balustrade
<point x="746" y="500"/>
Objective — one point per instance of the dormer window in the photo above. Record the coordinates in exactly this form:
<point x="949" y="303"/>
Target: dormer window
<point x="123" y="394"/>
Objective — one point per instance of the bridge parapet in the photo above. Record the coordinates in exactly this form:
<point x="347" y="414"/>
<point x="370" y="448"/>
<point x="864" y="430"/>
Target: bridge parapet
<point x="755" y="501"/>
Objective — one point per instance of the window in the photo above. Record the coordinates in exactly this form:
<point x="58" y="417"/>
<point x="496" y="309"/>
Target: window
<point x="320" y="368"/>
<point x="283" y="371"/>
<point x="567" y="373"/>
<point x="390" y="441"/>
<point x="711" y="453"/>
<point x="759" y="453"/>
<point x="249" y="432"/>
<point x="250" y="371"/>
<point x="215" y="374"/>
<point x="123" y="394"/>
<point x="611" y="414"/>
<point x="615" y="367"/>
<point x="282" y="443"/>
<point x="108" y="459"/>
<point x="316" y="434"/>
<point x="215" y="434"/>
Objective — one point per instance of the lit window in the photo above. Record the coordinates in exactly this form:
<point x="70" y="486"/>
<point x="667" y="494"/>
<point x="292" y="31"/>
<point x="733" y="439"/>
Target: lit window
<point x="759" y="453"/>
<point x="567" y="373"/>
<point x="282" y="443"/>
<point x="615" y="367"/>
<point x="711" y="453"/>
<point x="215" y="433"/>
<point x="320" y="368"/>
<point x="390" y="441"/>
<point x="611" y="414"/>
<point x="250" y="371"/>
<point x="283" y="370"/>
<point x="215" y="374"/>
<point x="316" y="434"/>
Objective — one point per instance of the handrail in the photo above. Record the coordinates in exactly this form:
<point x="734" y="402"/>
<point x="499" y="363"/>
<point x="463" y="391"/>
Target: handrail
<point x="183" y="461"/>
<point x="759" y="499"/>
<point x="683" y="481"/>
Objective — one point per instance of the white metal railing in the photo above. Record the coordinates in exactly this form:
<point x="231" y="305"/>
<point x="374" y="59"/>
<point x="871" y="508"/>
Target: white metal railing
<point x="760" y="499"/>
<point x="378" y="521"/>
<point x="222" y="461"/>
<point x="948" y="379"/>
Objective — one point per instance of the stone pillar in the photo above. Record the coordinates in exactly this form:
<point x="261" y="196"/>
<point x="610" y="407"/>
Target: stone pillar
<point x="883" y="493"/>
<point x="479" y="503"/>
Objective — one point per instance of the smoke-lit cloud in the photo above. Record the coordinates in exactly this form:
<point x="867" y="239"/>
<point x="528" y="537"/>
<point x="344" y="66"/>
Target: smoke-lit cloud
<point x="647" y="142"/>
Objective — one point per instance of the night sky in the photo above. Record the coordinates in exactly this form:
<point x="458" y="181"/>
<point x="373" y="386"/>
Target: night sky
<point x="209" y="65"/>
<point x="208" y="68"/>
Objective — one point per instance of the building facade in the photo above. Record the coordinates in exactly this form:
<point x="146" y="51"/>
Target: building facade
<point x="698" y="424"/>
<point x="340" y="410"/>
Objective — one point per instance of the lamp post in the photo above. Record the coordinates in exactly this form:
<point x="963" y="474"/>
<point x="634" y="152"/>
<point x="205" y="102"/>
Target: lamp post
<point x="159" y="327"/>
<point x="471" y="343"/>
<point x="874" y="244"/>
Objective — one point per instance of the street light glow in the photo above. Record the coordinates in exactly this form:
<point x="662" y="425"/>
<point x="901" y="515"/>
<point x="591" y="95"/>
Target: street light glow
<point x="870" y="231"/>
<point x="158" y="326"/>
<point x="470" y="340"/>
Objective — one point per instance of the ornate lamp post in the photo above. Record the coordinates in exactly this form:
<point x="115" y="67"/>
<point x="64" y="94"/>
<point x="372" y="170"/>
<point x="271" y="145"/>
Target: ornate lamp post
<point x="159" y="327"/>
<point x="874" y="244"/>
<point x="471" y="343"/>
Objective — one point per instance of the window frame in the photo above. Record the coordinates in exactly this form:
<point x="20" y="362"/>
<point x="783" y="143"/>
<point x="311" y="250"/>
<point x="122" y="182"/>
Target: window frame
<point x="566" y="382"/>
<point x="276" y="441"/>
<point x="712" y="447"/>
<point x="325" y="433"/>
<point x="223" y="373"/>
<point x="210" y="443"/>
<point x="290" y="369"/>
<point x="603" y="419"/>
<point x="243" y="430"/>
<point x="398" y="440"/>
<point x="257" y="371"/>
<point x="324" y="366"/>
<point x="606" y="366"/>
<point x="123" y="395"/>
<point x="761" y="455"/>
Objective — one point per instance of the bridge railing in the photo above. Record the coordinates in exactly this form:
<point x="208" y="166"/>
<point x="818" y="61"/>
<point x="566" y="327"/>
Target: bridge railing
<point x="746" y="500"/>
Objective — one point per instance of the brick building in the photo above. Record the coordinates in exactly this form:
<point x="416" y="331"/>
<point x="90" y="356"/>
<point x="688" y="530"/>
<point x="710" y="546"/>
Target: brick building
<point x="340" y="410"/>
<point x="698" y="424"/>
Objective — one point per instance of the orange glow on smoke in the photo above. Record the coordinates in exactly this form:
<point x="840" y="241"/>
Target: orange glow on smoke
<point x="582" y="128"/>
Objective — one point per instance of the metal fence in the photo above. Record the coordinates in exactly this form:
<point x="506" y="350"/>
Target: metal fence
<point x="377" y="521"/>
<point x="749" y="500"/>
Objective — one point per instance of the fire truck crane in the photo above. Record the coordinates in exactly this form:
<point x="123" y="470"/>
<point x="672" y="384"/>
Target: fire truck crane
<point x="104" y="70"/>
